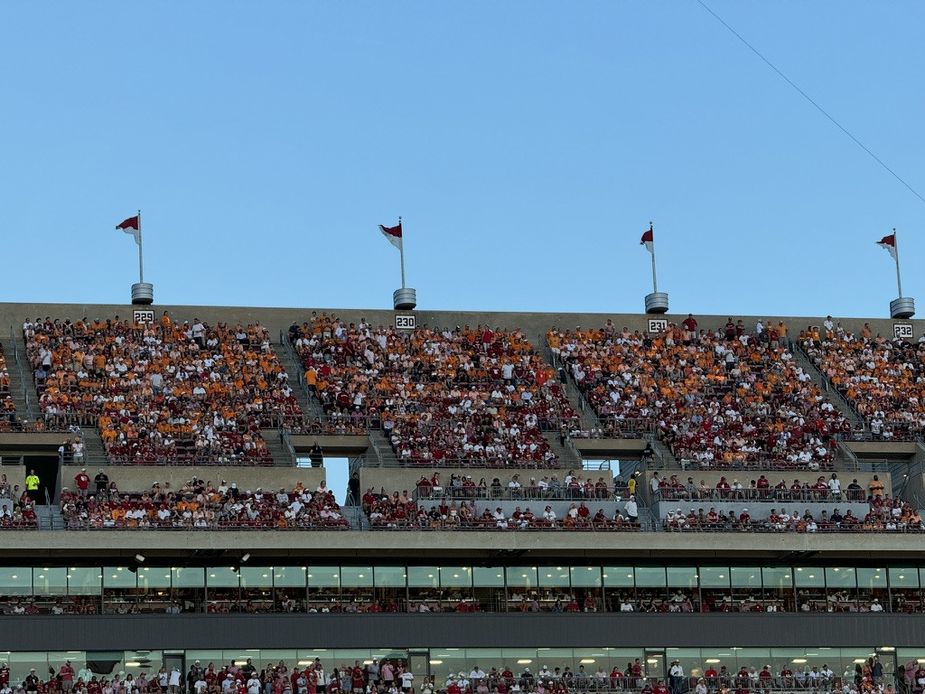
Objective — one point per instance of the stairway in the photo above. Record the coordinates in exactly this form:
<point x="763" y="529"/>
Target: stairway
<point x="354" y="514"/>
<point x="384" y="455"/>
<point x="311" y="408"/>
<point x="21" y="386"/>
<point x="94" y="452"/>
<point x="836" y="398"/>
<point x="49" y="518"/>
<point x="282" y="454"/>
<point x="569" y="458"/>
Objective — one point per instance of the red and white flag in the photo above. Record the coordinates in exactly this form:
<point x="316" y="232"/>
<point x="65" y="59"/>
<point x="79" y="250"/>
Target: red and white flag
<point x="648" y="240"/>
<point x="132" y="226"/>
<point x="888" y="243"/>
<point x="393" y="234"/>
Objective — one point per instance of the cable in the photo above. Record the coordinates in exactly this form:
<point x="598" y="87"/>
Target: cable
<point x="810" y="100"/>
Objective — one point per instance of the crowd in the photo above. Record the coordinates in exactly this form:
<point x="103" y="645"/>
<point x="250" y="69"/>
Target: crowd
<point x="165" y="392"/>
<point x="17" y="507"/>
<point x="198" y="505"/>
<point x="723" y="398"/>
<point x="883" y="379"/>
<point x="670" y="488"/>
<point x="394" y="676"/>
<point x="885" y="514"/>
<point x="571" y="486"/>
<point x="469" y="396"/>
<point x="400" y="511"/>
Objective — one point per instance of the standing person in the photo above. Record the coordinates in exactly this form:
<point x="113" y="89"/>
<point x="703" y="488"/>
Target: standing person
<point x="82" y="482"/>
<point x="66" y="673"/>
<point x="676" y="675"/>
<point x="32" y="484"/>
<point x="407" y="680"/>
<point x="102" y="481"/>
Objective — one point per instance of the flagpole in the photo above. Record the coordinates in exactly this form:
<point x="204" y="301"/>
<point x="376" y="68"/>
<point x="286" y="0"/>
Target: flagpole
<point x="141" y="263"/>
<point x="401" y="251"/>
<point x="654" y="280"/>
<point x="899" y="282"/>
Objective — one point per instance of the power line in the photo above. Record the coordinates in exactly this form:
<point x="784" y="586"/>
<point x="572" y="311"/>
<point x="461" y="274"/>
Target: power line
<point x="810" y="100"/>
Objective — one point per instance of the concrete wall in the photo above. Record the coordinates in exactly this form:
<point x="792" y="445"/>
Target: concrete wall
<point x="486" y="630"/>
<point x="745" y="476"/>
<point x="405" y="479"/>
<point x="32" y="545"/>
<point x="138" y="478"/>
<point x="760" y="511"/>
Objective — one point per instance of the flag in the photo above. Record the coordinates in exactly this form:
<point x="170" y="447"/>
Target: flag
<point x="888" y="243"/>
<point x="393" y="234"/>
<point x="132" y="226"/>
<point x="648" y="240"/>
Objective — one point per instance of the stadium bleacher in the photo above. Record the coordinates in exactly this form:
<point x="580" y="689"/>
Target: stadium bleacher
<point x="883" y="379"/>
<point x="717" y="398"/>
<point x="472" y="396"/>
<point x="168" y="392"/>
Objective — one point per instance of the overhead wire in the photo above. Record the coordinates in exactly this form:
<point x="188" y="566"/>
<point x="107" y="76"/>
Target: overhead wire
<point x="812" y="101"/>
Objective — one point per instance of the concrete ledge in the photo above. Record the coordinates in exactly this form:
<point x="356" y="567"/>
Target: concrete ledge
<point x="140" y="478"/>
<point x="878" y="450"/>
<point x="351" y="445"/>
<point x="482" y="630"/>
<point x="610" y="448"/>
<point x="596" y="546"/>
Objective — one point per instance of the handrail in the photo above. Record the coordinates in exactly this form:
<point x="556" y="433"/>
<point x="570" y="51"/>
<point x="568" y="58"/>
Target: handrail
<point x="769" y="495"/>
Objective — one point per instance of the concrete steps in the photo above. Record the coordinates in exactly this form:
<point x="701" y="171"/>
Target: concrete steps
<point x="49" y="517"/>
<point x="569" y="458"/>
<point x="21" y="387"/>
<point x="356" y="517"/>
<point x="311" y="408"/>
<point x="383" y="455"/>
<point x="836" y="398"/>
<point x="282" y="454"/>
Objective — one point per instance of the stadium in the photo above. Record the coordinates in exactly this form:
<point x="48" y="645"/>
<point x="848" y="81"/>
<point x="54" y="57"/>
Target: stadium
<point x="580" y="502"/>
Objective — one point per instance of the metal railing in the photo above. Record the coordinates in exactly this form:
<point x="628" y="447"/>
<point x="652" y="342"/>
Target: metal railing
<point x="528" y="493"/>
<point x="769" y="495"/>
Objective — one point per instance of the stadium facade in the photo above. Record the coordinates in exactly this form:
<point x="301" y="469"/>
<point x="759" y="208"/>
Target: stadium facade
<point x="160" y="596"/>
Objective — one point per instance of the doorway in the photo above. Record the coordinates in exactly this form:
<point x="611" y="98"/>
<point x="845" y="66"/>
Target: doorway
<point x="47" y="468"/>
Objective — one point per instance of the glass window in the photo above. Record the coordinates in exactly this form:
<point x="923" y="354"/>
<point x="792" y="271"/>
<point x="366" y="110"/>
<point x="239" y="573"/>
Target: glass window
<point x="840" y="577"/>
<point x="618" y="576"/>
<point x="682" y="577"/>
<point x="423" y="576"/>
<point x="289" y="576"/>
<point x="394" y="576"/>
<point x="871" y="578"/>
<point x="15" y="580"/>
<point x="188" y="577"/>
<point x="84" y="581"/>
<point x="49" y="581"/>
<point x="650" y="576"/>
<point x="488" y="576"/>
<point x="904" y="578"/>
<point x="745" y="576"/>
<point x="586" y="576"/>
<point x="256" y="577"/>
<point x="776" y="577"/>
<point x="455" y="576"/>
<point x="553" y="576"/>
<point x="222" y="577"/>
<point x="118" y="577"/>
<point x="521" y="576"/>
<point x="809" y="577"/>
<point x="324" y="576"/>
<point x="356" y="576"/>
<point x="714" y="577"/>
<point x="149" y="577"/>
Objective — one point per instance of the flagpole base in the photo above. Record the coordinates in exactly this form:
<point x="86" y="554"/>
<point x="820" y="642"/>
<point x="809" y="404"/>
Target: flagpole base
<point x="405" y="299"/>
<point x="657" y="302"/>
<point x="143" y="293"/>
<point x="903" y="307"/>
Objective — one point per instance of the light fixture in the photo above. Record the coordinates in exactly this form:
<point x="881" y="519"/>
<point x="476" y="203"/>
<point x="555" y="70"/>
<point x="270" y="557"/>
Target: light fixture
<point x="798" y="661"/>
<point x="436" y="662"/>
<point x="245" y="557"/>
<point x="712" y="661"/>
<point x="888" y="649"/>
<point x="586" y="661"/>
<point x="524" y="661"/>
<point x="140" y="558"/>
<point x="132" y="663"/>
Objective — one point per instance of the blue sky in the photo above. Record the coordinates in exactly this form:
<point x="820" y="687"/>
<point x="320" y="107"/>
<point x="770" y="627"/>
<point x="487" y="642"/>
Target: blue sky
<point x="526" y="145"/>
